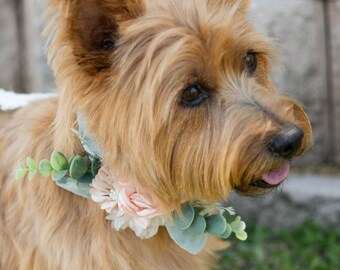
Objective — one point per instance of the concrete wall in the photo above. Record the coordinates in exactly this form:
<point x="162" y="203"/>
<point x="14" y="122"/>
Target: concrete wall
<point x="299" y="26"/>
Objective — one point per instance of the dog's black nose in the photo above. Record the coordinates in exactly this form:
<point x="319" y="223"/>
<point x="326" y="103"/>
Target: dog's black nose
<point x="287" y="143"/>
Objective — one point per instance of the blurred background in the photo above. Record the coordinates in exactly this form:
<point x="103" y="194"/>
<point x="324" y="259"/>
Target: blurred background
<point x="307" y="34"/>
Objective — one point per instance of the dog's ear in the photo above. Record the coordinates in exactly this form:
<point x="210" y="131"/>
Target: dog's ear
<point x="91" y="28"/>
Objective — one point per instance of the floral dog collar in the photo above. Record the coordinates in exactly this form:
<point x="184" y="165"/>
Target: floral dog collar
<point x="129" y="206"/>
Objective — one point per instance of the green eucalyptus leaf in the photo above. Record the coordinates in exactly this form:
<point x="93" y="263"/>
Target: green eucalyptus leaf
<point x="21" y="166"/>
<point x="58" y="161"/>
<point x="198" y="210"/>
<point x="198" y="226"/>
<point x="187" y="239"/>
<point x="227" y="232"/>
<point x="79" y="187"/>
<point x="242" y="235"/>
<point x="20" y="173"/>
<point x="216" y="225"/>
<point x="185" y="217"/>
<point x="95" y="166"/>
<point x="238" y="226"/>
<point x="57" y="175"/>
<point x="78" y="167"/>
<point x="31" y="174"/>
<point x="31" y="163"/>
<point x="70" y="159"/>
<point x="88" y="141"/>
<point x="45" y="168"/>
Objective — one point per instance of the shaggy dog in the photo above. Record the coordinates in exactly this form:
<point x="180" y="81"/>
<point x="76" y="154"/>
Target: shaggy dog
<point x="178" y="95"/>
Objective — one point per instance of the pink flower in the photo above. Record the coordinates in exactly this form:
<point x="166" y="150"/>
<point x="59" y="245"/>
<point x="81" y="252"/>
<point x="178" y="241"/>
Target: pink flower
<point x="138" y="206"/>
<point x="127" y="205"/>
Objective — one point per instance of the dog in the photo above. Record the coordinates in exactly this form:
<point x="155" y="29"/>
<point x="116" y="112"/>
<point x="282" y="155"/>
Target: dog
<point x="178" y="96"/>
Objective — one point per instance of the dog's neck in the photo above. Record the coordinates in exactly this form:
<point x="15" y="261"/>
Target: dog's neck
<point x="132" y="206"/>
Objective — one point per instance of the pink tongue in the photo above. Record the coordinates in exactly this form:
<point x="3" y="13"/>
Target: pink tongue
<point x="276" y="177"/>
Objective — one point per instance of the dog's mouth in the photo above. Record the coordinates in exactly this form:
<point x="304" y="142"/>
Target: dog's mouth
<point x="273" y="178"/>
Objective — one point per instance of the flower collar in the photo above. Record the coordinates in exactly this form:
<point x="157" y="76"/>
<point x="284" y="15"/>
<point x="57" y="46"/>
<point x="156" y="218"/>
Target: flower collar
<point x="129" y="206"/>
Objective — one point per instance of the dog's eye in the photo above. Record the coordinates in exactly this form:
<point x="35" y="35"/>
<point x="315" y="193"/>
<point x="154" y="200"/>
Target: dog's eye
<point x="194" y="95"/>
<point x="107" y="44"/>
<point x="250" y="60"/>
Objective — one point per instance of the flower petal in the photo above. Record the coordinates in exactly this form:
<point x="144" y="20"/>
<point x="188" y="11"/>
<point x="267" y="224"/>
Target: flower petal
<point x="147" y="212"/>
<point x="99" y="198"/>
<point x="141" y="201"/>
<point x="108" y="206"/>
<point x="142" y="222"/>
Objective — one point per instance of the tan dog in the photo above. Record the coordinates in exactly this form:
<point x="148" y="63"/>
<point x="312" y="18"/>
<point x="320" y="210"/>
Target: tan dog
<point x="177" y="94"/>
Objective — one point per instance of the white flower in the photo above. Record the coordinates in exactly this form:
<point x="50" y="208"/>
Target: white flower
<point x="102" y="190"/>
<point x="127" y="205"/>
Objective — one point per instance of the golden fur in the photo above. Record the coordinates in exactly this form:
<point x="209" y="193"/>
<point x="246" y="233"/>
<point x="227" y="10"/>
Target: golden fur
<point x="123" y="64"/>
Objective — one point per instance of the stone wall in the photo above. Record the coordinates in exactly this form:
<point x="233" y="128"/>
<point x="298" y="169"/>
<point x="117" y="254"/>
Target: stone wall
<point x="8" y="46"/>
<point x="22" y="59"/>
<point x="335" y="42"/>
<point x="298" y="27"/>
<point x="300" y="30"/>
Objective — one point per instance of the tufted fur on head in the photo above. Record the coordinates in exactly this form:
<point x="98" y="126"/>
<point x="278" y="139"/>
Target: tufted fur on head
<point x="126" y="65"/>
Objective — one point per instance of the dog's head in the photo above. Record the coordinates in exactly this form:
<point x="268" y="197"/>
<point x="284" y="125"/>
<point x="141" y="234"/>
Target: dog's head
<point x="178" y="95"/>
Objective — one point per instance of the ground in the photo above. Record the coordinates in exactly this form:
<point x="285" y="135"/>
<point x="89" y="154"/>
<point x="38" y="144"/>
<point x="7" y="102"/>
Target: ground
<point x="307" y="247"/>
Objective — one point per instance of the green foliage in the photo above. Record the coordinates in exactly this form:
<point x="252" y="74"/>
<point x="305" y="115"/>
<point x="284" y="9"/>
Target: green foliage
<point x="31" y="164"/>
<point x="45" y="168"/>
<point x="241" y="235"/>
<point x="95" y="165"/>
<point x="57" y="175"/>
<point x="191" y="226"/>
<point x="216" y="225"/>
<point x="184" y="218"/>
<point x="78" y="167"/>
<point x="187" y="239"/>
<point x="198" y="226"/>
<point x="58" y="167"/>
<point x="31" y="174"/>
<point x="227" y="232"/>
<point x="21" y="172"/>
<point x="59" y="162"/>
<point x="87" y="140"/>
<point x="79" y="187"/>
<point x="31" y="169"/>
<point x="307" y="247"/>
<point x="74" y="174"/>
<point x="238" y="226"/>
